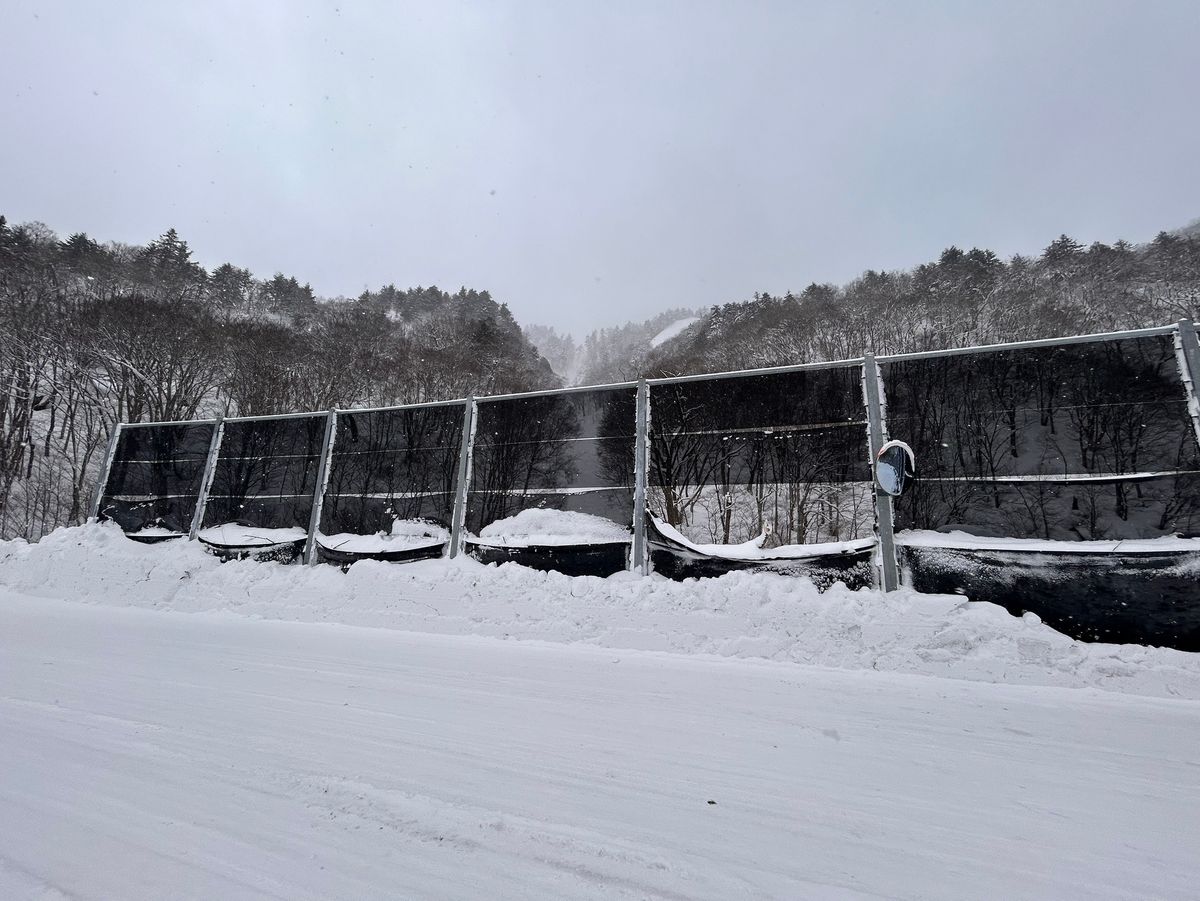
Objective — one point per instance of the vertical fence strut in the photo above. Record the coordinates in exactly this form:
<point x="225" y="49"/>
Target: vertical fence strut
<point x="883" y="501"/>
<point x="110" y="451"/>
<point x="637" y="560"/>
<point x="465" y="446"/>
<point x="210" y="468"/>
<point x="1189" y="344"/>
<point x="314" y="518"/>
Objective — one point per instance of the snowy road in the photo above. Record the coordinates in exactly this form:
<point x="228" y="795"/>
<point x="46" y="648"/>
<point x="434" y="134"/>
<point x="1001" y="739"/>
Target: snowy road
<point x="149" y="755"/>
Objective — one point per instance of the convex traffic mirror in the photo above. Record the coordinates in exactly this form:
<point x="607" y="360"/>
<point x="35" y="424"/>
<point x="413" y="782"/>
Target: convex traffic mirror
<point x="895" y="467"/>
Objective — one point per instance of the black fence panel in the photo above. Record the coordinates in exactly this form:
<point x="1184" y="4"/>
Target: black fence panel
<point x="572" y="452"/>
<point x="390" y="466"/>
<point x="1121" y="598"/>
<point x="266" y="472"/>
<point x="786" y="452"/>
<point x="155" y="478"/>
<point x="1081" y="441"/>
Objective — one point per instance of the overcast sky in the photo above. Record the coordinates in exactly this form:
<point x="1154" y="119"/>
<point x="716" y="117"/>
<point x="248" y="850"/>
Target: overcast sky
<point x="590" y="163"/>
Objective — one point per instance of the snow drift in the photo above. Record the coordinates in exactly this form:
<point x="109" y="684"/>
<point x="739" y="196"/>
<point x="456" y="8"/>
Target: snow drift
<point x="747" y="615"/>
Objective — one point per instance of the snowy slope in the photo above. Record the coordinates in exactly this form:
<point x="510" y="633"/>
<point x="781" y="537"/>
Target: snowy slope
<point x="148" y="754"/>
<point x="674" y="329"/>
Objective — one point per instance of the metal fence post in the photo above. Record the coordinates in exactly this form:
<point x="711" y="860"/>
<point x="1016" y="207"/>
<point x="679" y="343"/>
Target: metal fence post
<point x="314" y="518"/>
<point x="1189" y="345"/>
<point x="637" y="560"/>
<point x="210" y="467"/>
<point x="110" y="451"/>
<point x="466" y="445"/>
<point x="883" y="501"/>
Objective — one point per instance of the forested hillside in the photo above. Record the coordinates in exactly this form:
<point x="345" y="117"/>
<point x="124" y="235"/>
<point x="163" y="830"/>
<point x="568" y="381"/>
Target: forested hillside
<point x="612" y="354"/>
<point x="92" y="334"/>
<point x="965" y="298"/>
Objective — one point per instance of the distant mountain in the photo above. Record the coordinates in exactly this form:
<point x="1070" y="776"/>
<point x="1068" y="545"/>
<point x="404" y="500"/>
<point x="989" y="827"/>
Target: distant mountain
<point x="609" y="354"/>
<point x="1191" y="230"/>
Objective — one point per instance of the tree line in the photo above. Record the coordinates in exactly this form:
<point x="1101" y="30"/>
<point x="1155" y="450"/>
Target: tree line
<point x="93" y="334"/>
<point x="965" y="298"/>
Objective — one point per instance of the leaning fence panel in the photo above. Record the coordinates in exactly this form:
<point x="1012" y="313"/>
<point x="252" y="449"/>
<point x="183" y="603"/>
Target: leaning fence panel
<point x="155" y="478"/>
<point x="391" y="485"/>
<point x="263" y="485"/>
<point x="762" y="471"/>
<point x="1077" y="442"/>
<point x="1052" y="477"/>
<point x="552" y="480"/>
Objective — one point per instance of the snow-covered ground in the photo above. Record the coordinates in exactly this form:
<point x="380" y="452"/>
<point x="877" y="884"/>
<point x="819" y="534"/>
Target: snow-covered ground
<point x="189" y="750"/>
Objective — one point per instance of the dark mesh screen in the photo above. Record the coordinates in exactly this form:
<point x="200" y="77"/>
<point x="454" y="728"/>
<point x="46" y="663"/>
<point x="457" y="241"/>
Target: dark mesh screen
<point x="390" y="465"/>
<point x="566" y="452"/>
<point x="155" y="477"/>
<point x="989" y="430"/>
<point x="785" y="451"/>
<point x="266" y="472"/>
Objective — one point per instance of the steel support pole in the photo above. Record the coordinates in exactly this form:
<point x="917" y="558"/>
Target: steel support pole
<point x="890" y="575"/>
<point x="314" y="518"/>
<point x="466" y="444"/>
<point x="1189" y="345"/>
<point x="210" y="467"/>
<point x="110" y="451"/>
<point x="637" y="560"/>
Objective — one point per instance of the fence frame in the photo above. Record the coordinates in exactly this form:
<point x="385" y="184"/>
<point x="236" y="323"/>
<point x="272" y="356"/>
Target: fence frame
<point x="466" y="447"/>
<point x="110" y="451"/>
<point x="639" y="560"/>
<point x="889" y="569"/>
<point x="1189" y="347"/>
<point x="1184" y="332"/>
<point x="210" y="469"/>
<point x="314" y="516"/>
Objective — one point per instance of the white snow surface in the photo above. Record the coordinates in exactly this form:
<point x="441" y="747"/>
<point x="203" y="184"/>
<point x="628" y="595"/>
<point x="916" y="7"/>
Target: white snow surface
<point x="235" y="535"/>
<point x="742" y="615"/>
<point x="538" y="526"/>
<point x="750" y="550"/>
<point x="155" y="532"/>
<point x="966" y="541"/>
<point x="172" y="736"/>
<point x="673" y="330"/>
<point x="405" y="535"/>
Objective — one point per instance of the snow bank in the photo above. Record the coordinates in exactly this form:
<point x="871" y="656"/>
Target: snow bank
<point x="540" y="527"/>
<point x="753" y="550"/>
<point x="234" y="535"/>
<point x="405" y="535"/>
<point x="965" y="541"/>
<point x="748" y="615"/>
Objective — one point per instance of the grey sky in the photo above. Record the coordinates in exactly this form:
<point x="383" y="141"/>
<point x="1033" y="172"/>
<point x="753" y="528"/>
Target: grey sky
<point x="592" y="163"/>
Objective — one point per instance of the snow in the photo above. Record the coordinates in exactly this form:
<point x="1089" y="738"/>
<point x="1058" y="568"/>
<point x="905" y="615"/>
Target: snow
<point x="544" y="527"/>
<point x="223" y="751"/>
<point x="405" y="535"/>
<point x="673" y="330"/>
<point x="739" y="615"/>
<point x="154" y="532"/>
<point x="222" y="757"/>
<point x="966" y="541"/>
<point x="234" y="535"/>
<point x="751" y="550"/>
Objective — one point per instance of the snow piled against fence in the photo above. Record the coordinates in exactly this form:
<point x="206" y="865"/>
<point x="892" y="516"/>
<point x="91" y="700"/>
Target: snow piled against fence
<point x="746" y="615"/>
<point x="539" y="527"/>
